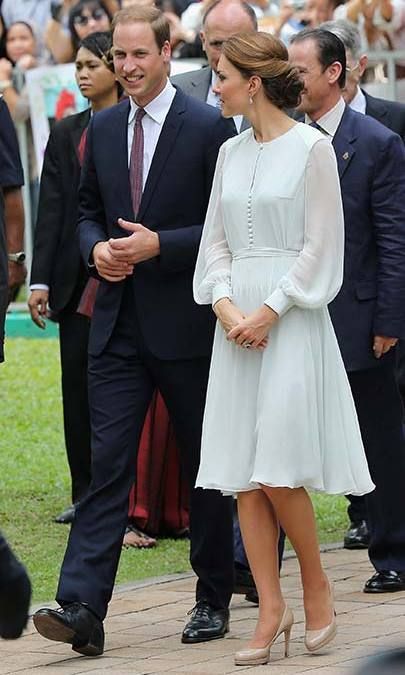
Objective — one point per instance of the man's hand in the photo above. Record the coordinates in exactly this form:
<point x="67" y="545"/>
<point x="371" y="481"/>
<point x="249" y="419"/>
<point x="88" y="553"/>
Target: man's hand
<point x="382" y="345"/>
<point x="38" y="306"/>
<point x="16" y="278"/>
<point x="108" y="266"/>
<point x="142" y="244"/>
<point x="253" y="330"/>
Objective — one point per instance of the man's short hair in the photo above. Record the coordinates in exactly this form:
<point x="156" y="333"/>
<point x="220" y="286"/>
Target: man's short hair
<point x="144" y="14"/>
<point x="330" y="48"/>
<point x="249" y="11"/>
<point x="348" y="33"/>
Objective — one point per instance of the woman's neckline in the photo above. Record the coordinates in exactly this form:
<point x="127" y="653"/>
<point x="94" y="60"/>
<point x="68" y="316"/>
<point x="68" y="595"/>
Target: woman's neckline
<point x="273" y="140"/>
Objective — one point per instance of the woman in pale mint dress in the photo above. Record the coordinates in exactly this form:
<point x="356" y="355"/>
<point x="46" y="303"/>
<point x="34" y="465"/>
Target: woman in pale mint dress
<point x="279" y="416"/>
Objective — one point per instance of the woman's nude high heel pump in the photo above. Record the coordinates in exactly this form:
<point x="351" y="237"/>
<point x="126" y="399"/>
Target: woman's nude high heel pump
<point x="317" y="639"/>
<point x="258" y="657"/>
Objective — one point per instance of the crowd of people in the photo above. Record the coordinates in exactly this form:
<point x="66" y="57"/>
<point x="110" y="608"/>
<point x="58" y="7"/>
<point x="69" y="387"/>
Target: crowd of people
<point x="256" y="357"/>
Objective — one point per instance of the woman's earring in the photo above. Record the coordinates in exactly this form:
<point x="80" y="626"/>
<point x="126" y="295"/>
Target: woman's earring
<point x="250" y="100"/>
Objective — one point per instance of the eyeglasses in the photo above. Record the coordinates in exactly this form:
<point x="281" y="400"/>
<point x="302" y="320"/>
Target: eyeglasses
<point x="351" y="70"/>
<point x="83" y="20"/>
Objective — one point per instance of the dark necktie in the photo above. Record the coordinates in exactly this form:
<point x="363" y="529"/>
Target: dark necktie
<point x="136" y="162"/>
<point x="315" y="125"/>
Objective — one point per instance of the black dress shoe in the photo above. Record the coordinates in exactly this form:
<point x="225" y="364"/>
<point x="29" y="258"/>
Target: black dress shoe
<point x="244" y="581"/>
<point x="206" y="623"/>
<point x="357" y="536"/>
<point x="67" y="516"/>
<point x="387" y="581"/>
<point x="252" y="596"/>
<point x="74" y="624"/>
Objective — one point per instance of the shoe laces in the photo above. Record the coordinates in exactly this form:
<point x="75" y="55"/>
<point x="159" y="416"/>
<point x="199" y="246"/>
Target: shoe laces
<point x="200" y="610"/>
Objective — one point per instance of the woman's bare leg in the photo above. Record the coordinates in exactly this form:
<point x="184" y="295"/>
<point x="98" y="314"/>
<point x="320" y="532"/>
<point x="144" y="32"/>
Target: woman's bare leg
<point x="260" y="532"/>
<point x="294" y="511"/>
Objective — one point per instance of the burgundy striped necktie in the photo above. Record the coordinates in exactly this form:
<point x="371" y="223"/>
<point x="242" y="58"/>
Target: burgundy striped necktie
<point x="136" y="162"/>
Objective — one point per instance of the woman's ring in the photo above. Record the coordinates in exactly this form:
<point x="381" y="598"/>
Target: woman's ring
<point x="247" y="345"/>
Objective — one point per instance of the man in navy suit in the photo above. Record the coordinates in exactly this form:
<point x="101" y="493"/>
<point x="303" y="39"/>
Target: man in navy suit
<point x="369" y="311"/>
<point x="146" y="330"/>
<point x="392" y="115"/>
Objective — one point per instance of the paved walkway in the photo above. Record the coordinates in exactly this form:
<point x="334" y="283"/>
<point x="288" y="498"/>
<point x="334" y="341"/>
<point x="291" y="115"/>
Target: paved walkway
<point x="145" y="621"/>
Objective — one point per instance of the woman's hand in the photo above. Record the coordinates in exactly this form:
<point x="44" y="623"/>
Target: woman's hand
<point x="253" y="330"/>
<point x="228" y="314"/>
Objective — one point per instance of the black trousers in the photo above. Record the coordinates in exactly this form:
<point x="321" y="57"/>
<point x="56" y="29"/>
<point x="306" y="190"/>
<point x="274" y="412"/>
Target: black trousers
<point x="379" y="409"/>
<point x="73" y="340"/>
<point x="121" y="382"/>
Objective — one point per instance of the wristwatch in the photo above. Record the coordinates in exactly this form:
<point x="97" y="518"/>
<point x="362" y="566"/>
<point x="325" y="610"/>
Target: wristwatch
<point x="18" y="258"/>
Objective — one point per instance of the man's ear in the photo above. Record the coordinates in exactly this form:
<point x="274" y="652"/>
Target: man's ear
<point x="363" y="61"/>
<point x="334" y="70"/>
<point x="202" y="38"/>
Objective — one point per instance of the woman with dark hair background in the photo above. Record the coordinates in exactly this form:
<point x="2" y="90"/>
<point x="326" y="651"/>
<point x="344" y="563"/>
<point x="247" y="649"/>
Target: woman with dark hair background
<point x="58" y="275"/>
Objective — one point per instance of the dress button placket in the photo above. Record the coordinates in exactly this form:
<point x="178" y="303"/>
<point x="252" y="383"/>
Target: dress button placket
<point x="249" y="203"/>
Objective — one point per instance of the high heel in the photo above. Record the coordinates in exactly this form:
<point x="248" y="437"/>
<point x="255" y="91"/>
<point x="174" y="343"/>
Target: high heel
<point x="317" y="639"/>
<point x="258" y="657"/>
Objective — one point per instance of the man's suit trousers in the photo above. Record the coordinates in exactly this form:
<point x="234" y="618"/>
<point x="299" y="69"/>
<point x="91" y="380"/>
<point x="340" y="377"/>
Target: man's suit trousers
<point x="121" y="382"/>
<point x="379" y="409"/>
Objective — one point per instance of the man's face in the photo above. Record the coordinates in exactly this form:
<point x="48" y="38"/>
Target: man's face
<point x="140" y="67"/>
<point x="220" y="27"/>
<point x="317" y="80"/>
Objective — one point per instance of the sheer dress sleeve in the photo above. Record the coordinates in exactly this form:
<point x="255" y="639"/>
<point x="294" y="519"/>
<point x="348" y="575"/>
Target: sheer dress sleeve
<point x="317" y="274"/>
<point x="212" y="277"/>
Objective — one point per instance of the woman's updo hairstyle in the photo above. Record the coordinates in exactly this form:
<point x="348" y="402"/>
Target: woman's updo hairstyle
<point x="263" y="55"/>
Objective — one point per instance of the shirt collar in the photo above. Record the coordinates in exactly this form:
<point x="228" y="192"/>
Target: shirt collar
<point x="330" y="120"/>
<point x="158" y="108"/>
<point x="359" y="102"/>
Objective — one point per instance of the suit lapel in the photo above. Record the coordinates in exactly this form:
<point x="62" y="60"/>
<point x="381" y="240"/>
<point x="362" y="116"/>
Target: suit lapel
<point x="343" y="141"/>
<point x="119" y="159"/>
<point x="165" y="145"/>
<point x="201" y="83"/>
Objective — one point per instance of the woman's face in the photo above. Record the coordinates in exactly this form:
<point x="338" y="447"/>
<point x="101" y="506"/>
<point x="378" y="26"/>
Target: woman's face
<point x="92" y="18"/>
<point x="232" y="88"/>
<point x="93" y="77"/>
<point x="20" y="41"/>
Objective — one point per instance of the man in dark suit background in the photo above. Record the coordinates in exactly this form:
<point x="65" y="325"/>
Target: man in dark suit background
<point x="222" y="20"/>
<point x="15" y="587"/>
<point x="145" y="186"/>
<point x="392" y="115"/>
<point x="369" y="312"/>
<point x="58" y="277"/>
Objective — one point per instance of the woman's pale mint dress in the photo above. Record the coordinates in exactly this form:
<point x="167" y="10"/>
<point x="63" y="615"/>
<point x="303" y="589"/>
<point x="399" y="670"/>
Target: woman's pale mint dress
<point x="274" y="234"/>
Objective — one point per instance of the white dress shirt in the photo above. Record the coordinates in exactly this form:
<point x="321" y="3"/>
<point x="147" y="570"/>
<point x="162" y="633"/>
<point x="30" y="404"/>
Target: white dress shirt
<point x="358" y="103"/>
<point x="152" y="123"/>
<point x="330" y="121"/>
<point x="214" y="100"/>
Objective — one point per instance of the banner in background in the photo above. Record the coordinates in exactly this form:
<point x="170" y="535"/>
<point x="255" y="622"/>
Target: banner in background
<point x="53" y="94"/>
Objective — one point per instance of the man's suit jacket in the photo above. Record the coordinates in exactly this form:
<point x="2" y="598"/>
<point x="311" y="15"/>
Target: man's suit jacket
<point x="390" y="113"/>
<point x="174" y="204"/>
<point x="197" y="84"/>
<point x="56" y="256"/>
<point x="371" y="164"/>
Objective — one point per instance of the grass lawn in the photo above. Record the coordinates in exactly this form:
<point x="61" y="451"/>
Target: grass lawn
<point x="34" y="481"/>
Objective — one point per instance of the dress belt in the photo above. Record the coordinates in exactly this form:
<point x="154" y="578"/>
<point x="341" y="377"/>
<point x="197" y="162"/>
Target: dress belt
<point x="260" y="252"/>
